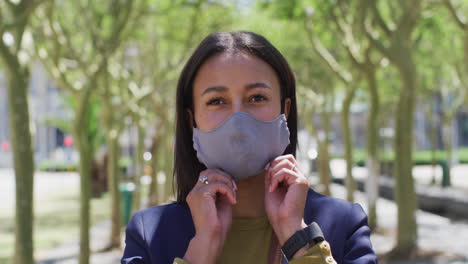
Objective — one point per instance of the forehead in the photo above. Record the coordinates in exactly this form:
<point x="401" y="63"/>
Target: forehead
<point x="234" y="70"/>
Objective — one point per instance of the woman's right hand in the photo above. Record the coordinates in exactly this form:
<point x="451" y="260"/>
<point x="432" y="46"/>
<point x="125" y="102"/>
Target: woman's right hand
<point x="211" y="207"/>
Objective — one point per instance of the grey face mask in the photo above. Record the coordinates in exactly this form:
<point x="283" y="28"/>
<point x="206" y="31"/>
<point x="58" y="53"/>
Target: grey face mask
<point x="241" y="145"/>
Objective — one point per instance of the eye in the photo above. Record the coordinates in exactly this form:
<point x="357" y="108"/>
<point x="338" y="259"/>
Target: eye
<point x="215" y="101"/>
<point x="257" y="98"/>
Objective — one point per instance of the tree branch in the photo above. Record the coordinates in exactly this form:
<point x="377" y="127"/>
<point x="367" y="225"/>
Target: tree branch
<point x="347" y="32"/>
<point x="51" y="63"/>
<point x="462" y="77"/>
<point x="8" y="57"/>
<point x="458" y="18"/>
<point x="326" y="56"/>
<point x="21" y="12"/>
<point x="71" y="52"/>
<point x="191" y="32"/>
<point x="410" y="17"/>
<point x="60" y="78"/>
<point x="379" y="19"/>
<point x="367" y="29"/>
<point x="11" y="5"/>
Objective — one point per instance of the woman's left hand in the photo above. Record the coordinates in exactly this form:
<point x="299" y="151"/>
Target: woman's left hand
<point x="285" y="204"/>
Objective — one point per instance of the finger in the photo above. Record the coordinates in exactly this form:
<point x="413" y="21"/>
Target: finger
<point x="215" y="175"/>
<point x="227" y="177"/>
<point x="267" y="177"/>
<point x="280" y="176"/>
<point x="285" y="159"/>
<point x="289" y="177"/>
<point x="213" y="178"/>
<point x="224" y="205"/>
<point x="284" y="163"/>
<point x="278" y="159"/>
<point x="213" y="189"/>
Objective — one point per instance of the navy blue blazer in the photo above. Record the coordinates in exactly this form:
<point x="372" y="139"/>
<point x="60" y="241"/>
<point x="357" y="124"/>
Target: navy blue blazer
<point x="159" y="234"/>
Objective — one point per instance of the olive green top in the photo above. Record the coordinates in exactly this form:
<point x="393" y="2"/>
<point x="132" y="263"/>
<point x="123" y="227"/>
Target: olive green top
<point x="249" y="239"/>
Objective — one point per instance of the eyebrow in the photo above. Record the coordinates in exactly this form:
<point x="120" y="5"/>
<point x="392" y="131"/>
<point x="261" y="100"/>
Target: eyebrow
<point x="248" y="87"/>
<point x="257" y="85"/>
<point x="214" y="89"/>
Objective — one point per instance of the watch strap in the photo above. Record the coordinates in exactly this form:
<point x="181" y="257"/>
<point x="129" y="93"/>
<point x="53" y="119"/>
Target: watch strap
<point x="312" y="234"/>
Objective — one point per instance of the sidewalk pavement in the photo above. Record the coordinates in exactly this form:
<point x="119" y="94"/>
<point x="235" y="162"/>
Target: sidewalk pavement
<point x="443" y="240"/>
<point x="422" y="173"/>
<point x="68" y="253"/>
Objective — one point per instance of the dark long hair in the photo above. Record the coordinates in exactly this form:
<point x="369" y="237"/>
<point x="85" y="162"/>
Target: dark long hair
<point x="186" y="165"/>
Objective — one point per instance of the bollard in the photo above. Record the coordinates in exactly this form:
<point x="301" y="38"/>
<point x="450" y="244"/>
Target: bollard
<point x="445" y="173"/>
<point x="126" y="196"/>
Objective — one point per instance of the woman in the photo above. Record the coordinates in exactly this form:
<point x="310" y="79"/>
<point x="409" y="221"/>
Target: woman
<point x="241" y="196"/>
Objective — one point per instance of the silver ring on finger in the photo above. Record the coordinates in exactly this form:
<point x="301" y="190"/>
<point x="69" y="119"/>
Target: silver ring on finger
<point x="203" y="179"/>
<point x="293" y="167"/>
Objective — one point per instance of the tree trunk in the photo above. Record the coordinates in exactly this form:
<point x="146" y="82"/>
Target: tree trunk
<point x="348" y="143"/>
<point x="139" y="164"/>
<point x="168" y="171"/>
<point x="433" y="140"/>
<point x="372" y="160"/>
<point x="85" y="191"/>
<point x="113" y="172"/>
<point x="322" y="149"/>
<point x="465" y="44"/>
<point x="80" y="131"/>
<point x="324" y="167"/>
<point x="404" y="184"/>
<point x="447" y="128"/>
<point x="324" y="156"/>
<point x="23" y="162"/>
<point x="399" y="52"/>
<point x="309" y="125"/>
<point x="153" y="193"/>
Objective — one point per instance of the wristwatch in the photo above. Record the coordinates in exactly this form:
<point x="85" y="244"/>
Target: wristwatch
<point x="311" y="235"/>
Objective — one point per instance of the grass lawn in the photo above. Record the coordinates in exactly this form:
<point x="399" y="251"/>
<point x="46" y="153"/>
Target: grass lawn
<point x="56" y="221"/>
<point x="423" y="157"/>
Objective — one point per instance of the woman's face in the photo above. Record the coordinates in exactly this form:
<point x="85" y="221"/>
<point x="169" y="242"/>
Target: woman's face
<point x="239" y="82"/>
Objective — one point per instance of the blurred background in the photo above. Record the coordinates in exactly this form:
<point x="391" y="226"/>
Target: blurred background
<point x="87" y="106"/>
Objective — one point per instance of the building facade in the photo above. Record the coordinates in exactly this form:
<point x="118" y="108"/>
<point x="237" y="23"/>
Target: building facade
<point x="45" y="104"/>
